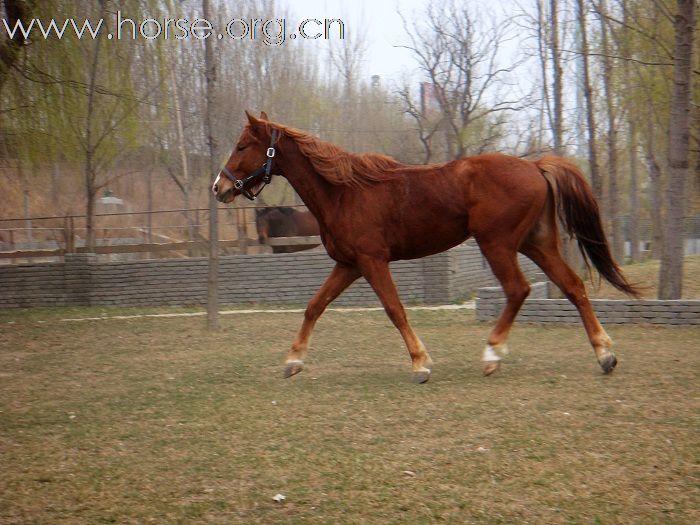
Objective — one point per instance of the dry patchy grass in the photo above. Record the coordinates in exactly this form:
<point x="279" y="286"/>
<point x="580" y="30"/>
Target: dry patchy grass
<point x="156" y="420"/>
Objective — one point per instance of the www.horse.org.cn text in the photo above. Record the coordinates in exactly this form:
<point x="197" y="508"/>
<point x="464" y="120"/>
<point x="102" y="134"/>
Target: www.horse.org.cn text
<point x="271" y="31"/>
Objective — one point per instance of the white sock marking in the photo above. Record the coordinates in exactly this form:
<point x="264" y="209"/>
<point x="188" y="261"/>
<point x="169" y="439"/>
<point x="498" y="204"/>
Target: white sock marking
<point x="490" y="354"/>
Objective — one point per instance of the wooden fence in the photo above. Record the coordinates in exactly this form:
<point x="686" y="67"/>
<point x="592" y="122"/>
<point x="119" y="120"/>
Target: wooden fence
<point x="56" y="236"/>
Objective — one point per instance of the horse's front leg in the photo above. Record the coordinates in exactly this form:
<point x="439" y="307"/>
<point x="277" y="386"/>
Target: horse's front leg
<point x="340" y="278"/>
<point x="379" y="277"/>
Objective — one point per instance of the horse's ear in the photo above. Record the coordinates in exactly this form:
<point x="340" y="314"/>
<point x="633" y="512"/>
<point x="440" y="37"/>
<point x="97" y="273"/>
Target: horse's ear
<point x="251" y="119"/>
<point x="257" y="127"/>
<point x="264" y="116"/>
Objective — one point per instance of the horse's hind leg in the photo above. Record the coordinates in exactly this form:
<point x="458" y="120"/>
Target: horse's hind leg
<point x="377" y="273"/>
<point x="340" y="278"/>
<point x="545" y="253"/>
<point x="504" y="264"/>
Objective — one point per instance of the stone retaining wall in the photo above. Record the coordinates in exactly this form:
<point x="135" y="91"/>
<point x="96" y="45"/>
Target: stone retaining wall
<point x="538" y="309"/>
<point x="289" y="279"/>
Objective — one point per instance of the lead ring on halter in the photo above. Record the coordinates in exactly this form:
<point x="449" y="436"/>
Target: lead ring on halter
<point x="265" y="170"/>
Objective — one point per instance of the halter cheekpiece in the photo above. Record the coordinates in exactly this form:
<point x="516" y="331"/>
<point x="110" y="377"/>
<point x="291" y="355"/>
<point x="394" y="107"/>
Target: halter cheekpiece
<point x="264" y="170"/>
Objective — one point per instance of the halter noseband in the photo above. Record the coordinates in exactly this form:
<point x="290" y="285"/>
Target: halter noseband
<point x="264" y="170"/>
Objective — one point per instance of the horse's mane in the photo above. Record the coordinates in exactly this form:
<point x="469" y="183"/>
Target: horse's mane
<point x="338" y="166"/>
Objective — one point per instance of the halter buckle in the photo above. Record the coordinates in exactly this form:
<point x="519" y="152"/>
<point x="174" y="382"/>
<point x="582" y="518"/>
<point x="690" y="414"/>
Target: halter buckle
<point x="270" y="152"/>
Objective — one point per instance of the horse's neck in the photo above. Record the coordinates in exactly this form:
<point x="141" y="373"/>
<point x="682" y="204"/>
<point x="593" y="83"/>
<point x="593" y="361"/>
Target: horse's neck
<point x="309" y="185"/>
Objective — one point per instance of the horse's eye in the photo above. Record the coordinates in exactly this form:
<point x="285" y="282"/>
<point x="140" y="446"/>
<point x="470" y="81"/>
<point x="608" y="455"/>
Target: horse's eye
<point x="241" y="147"/>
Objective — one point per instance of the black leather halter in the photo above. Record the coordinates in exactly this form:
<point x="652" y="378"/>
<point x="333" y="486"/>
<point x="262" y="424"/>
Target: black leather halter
<point x="265" y="170"/>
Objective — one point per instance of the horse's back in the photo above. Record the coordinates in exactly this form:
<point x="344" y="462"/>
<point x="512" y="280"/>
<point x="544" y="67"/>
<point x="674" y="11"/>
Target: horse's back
<point x="424" y="210"/>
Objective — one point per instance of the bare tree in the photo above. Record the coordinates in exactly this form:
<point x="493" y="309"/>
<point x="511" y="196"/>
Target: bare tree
<point x="459" y="57"/>
<point x="347" y="60"/>
<point x="671" y="271"/>
<point x="427" y="122"/>
<point x="179" y="168"/>
<point x="96" y="126"/>
<point x="655" y="176"/>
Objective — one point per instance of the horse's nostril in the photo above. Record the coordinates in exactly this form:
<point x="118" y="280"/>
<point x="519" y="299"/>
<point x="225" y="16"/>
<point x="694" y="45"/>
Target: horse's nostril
<point x="216" y="188"/>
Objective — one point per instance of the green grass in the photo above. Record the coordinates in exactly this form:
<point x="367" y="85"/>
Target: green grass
<point x="158" y="421"/>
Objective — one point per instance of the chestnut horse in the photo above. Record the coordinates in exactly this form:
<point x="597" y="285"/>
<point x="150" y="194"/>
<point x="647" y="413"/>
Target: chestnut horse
<point x="283" y="221"/>
<point x="373" y="210"/>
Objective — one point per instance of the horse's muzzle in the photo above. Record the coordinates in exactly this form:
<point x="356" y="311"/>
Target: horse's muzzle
<point x="226" y="196"/>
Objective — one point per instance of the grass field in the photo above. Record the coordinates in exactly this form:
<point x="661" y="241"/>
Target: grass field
<point x="158" y="421"/>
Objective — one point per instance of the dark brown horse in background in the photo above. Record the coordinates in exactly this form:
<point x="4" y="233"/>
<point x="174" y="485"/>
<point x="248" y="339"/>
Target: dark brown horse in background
<point x="373" y="210"/>
<point x="284" y="221"/>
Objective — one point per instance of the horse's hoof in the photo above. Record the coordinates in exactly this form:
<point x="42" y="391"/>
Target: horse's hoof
<point x="420" y="377"/>
<point x="293" y="368"/>
<point x="608" y="363"/>
<point x="491" y="367"/>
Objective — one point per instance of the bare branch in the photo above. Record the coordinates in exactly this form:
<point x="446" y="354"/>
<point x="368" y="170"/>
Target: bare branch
<point x="618" y="57"/>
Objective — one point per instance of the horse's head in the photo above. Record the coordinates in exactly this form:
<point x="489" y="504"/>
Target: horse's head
<point x="248" y="167"/>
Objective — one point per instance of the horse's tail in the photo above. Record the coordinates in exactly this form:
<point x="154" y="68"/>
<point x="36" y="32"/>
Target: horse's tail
<point x="579" y="214"/>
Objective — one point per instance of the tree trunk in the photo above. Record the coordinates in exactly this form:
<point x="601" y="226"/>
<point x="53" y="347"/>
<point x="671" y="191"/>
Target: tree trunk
<point x="632" y="152"/>
<point x="25" y="200"/>
<point x="55" y="189"/>
<point x="654" y="189"/>
<point x="90" y="238"/>
<point x="671" y="271"/>
<point x="90" y="172"/>
<point x="542" y="46"/>
<point x="558" y="74"/>
<point x="182" y="147"/>
<point x="596" y="180"/>
<point x="612" y="202"/>
<point x="90" y="190"/>
<point x="213" y="274"/>
<point x="149" y="205"/>
<point x="633" y="223"/>
<point x="569" y="251"/>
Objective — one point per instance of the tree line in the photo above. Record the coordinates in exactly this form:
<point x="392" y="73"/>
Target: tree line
<point x="607" y="82"/>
